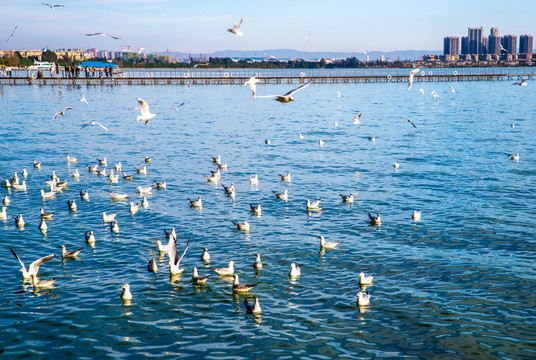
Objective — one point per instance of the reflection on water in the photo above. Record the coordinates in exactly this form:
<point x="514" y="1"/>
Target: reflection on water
<point x="458" y="283"/>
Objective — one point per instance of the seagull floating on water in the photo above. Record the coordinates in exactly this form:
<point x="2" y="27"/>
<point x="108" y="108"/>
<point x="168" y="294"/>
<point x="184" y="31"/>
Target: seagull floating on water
<point x="514" y="157"/>
<point x="90" y="237"/>
<point x="357" y="120"/>
<point x="36" y="283"/>
<point x="416" y="215"/>
<point x="286" y="177"/>
<point x="365" y="280"/>
<point x="244" y="226"/>
<point x="328" y="244"/>
<point x="375" y="220"/>
<point x="236" y="29"/>
<point x="196" y="203"/>
<point x="116" y="196"/>
<point x="226" y="271"/>
<point x="295" y="270"/>
<point x="196" y="279"/>
<point x="108" y="217"/>
<point x="45" y="215"/>
<point x="363" y="298"/>
<point x="69" y="254"/>
<point x="205" y="256"/>
<point x="114" y="227"/>
<point x="256" y="209"/>
<point x="241" y="287"/>
<point x="254" y="180"/>
<point x="126" y="295"/>
<point x="257" y="265"/>
<point x="282" y="196"/>
<point x="152" y="266"/>
<point x="252" y="309"/>
<point x="347" y="198"/>
<point x="315" y="205"/>
<point x="84" y="195"/>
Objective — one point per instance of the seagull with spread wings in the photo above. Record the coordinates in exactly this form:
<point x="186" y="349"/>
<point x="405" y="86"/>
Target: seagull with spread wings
<point x="103" y="34"/>
<point x="94" y="123"/>
<point x="62" y="113"/>
<point x="236" y="29"/>
<point x="53" y="7"/>
<point x="410" y="78"/>
<point x="145" y="113"/>
<point x="252" y="83"/>
<point x="409" y="120"/>
<point x="12" y="34"/>
<point x="288" y="96"/>
<point x="174" y="259"/>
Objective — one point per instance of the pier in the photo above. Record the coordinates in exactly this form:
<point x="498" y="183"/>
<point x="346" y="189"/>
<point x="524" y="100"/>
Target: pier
<point x="239" y="76"/>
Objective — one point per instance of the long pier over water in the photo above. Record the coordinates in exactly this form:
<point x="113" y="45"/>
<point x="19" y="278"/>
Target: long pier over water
<point x="234" y="76"/>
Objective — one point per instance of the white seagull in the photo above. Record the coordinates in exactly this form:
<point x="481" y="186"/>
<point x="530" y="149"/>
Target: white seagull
<point x="257" y="265"/>
<point x="295" y="270"/>
<point x="315" y="205"/>
<point x="62" y="113"/>
<point x="416" y="215"/>
<point x="145" y="113"/>
<point x="410" y="78"/>
<point x="236" y="29"/>
<point x="103" y="34"/>
<point x="357" y="119"/>
<point x="328" y="244"/>
<point x="12" y="34"/>
<point x="241" y="288"/>
<point x="347" y="198"/>
<point x="126" y="295"/>
<point x="225" y="271"/>
<point x="363" y="298"/>
<point x="375" y="220"/>
<point x="252" y="309"/>
<point x="365" y="280"/>
<point x="174" y="258"/>
<point x="288" y="96"/>
<point x="34" y="266"/>
<point x="83" y="99"/>
<point x="53" y="7"/>
<point x="252" y="81"/>
<point x="94" y="123"/>
<point x="307" y="36"/>
<point x="196" y="279"/>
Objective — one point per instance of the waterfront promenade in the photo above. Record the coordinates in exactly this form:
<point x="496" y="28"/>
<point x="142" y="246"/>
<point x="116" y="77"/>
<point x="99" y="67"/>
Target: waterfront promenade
<point x="234" y="76"/>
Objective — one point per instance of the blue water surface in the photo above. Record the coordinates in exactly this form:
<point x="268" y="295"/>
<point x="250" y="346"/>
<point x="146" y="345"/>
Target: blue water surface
<point x="457" y="284"/>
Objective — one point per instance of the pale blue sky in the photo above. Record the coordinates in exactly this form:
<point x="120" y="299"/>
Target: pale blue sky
<point x="199" y="26"/>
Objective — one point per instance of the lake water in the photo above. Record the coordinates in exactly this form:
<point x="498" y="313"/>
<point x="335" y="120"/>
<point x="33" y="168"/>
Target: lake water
<point x="457" y="284"/>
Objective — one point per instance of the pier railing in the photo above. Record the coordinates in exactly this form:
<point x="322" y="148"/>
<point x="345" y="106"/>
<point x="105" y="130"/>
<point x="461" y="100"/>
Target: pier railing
<point x="239" y="76"/>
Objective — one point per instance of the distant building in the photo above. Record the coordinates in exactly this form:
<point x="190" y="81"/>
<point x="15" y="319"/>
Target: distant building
<point x="475" y="41"/>
<point x="509" y="43"/>
<point x="451" y="45"/>
<point x="494" y="42"/>
<point x="465" y="47"/>
<point x="526" y="44"/>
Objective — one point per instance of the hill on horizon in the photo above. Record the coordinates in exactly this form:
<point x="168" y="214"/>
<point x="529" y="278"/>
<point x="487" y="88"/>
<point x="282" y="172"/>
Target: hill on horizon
<point x="309" y="55"/>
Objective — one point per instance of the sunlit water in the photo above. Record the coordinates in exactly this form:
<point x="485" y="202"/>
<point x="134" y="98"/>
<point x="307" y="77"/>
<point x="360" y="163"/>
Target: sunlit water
<point x="457" y="284"/>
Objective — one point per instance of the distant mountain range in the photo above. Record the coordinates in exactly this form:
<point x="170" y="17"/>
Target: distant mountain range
<point x="289" y="53"/>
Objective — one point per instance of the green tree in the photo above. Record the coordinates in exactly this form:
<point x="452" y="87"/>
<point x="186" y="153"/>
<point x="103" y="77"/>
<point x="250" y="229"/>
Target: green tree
<point x="49" y="56"/>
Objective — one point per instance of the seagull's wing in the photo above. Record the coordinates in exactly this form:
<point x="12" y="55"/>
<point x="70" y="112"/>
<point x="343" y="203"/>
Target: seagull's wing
<point x="237" y="25"/>
<point x="56" y="115"/>
<point x="144" y="106"/>
<point x="184" y="251"/>
<point x="267" y="96"/>
<point x="298" y="89"/>
<point x="18" y="258"/>
<point x="172" y="250"/>
<point x="47" y="4"/>
<point x="94" y="34"/>
<point x="180" y="105"/>
<point x="34" y="267"/>
<point x="86" y="124"/>
<point x="113" y="37"/>
<point x="67" y="108"/>
<point x="102" y="126"/>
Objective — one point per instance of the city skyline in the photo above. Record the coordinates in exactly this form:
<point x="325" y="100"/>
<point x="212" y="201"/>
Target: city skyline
<point x="157" y="25"/>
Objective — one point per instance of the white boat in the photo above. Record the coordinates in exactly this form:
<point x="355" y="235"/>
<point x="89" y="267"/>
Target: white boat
<point x="41" y="65"/>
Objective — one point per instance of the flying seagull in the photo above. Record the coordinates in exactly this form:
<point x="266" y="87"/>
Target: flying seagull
<point x="103" y="34"/>
<point x="523" y="82"/>
<point x="236" y="29"/>
<point x="288" y="96"/>
<point x="94" y="123"/>
<point x="410" y="79"/>
<point x="409" y="120"/>
<point x="12" y="33"/>
<point x="145" y="113"/>
<point x="252" y="81"/>
<point x="53" y="7"/>
<point x="62" y="113"/>
<point x="83" y="99"/>
<point x="306" y="36"/>
<point x="176" y="108"/>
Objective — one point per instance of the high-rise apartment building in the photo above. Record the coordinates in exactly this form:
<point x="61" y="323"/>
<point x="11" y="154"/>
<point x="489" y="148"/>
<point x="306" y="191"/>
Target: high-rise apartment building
<point x="509" y="43"/>
<point x="451" y="45"/>
<point x="494" y="42"/>
<point x="526" y="44"/>
<point x="475" y="41"/>
<point x="465" y="46"/>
